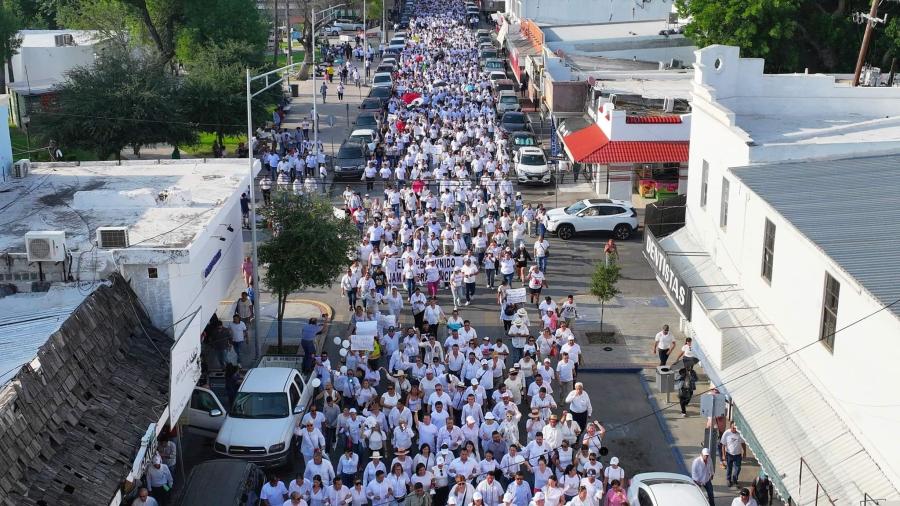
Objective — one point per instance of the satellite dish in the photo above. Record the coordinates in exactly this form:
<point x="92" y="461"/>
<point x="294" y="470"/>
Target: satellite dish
<point x="316" y="382"/>
<point x="337" y="340"/>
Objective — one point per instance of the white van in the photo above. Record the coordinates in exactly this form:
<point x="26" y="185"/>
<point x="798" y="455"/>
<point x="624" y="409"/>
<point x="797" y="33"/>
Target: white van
<point x="259" y="427"/>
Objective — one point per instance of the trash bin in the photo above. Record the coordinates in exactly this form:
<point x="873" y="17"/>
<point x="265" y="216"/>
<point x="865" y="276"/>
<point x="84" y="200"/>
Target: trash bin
<point x="665" y="379"/>
<point x="295" y="90"/>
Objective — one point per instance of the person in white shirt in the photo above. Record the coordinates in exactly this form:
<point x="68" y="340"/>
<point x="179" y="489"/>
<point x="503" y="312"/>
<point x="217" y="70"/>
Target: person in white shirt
<point x="464" y="466"/>
<point x="664" y="343"/>
<point x="320" y="467"/>
<point x="565" y="370"/>
<point x="569" y="311"/>
<point x="702" y="471"/>
<point x="358" y="494"/>
<point x="273" y="492"/>
<point x="311" y="440"/>
<point x="377" y="490"/>
<point x="744" y="499"/>
<point x="159" y="479"/>
<point x="579" y="405"/>
<point x="370" y="473"/>
<point x="348" y="465"/>
<point x="338" y="494"/>
<point x="574" y="351"/>
<point x="491" y="491"/>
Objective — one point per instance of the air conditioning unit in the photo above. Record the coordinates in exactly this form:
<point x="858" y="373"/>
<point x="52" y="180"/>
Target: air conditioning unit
<point x="64" y="39"/>
<point x="21" y="168"/>
<point x="45" y="246"/>
<point x="112" y="237"/>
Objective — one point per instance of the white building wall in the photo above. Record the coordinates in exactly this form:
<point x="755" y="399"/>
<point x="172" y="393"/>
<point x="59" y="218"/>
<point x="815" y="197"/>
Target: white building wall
<point x="35" y="64"/>
<point x="6" y="155"/>
<point x="153" y="293"/>
<point x="562" y="12"/>
<point x="858" y="378"/>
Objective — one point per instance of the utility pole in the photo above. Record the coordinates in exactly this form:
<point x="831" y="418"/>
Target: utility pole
<point x="867" y="38"/>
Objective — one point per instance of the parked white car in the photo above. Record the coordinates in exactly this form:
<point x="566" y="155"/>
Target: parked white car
<point x="616" y="216"/>
<point x="365" y="136"/>
<point x="347" y="25"/>
<point x="665" y="489"/>
<point x="382" y="79"/>
<point x="259" y="427"/>
<point x="531" y="166"/>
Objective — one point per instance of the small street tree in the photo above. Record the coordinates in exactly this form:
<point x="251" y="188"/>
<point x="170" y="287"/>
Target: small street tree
<point x="603" y="285"/>
<point x="310" y="246"/>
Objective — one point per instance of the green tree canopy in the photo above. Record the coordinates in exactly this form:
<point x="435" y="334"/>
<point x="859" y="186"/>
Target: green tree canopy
<point x="221" y="22"/>
<point x="10" y="24"/>
<point x="310" y="246"/>
<point x="215" y="89"/>
<point x="122" y="100"/>
<point x="794" y="35"/>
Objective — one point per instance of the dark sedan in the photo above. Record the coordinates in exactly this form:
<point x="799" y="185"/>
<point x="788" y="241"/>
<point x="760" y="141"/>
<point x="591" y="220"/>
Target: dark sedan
<point x="350" y="161"/>
<point x="514" y="122"/>
<point x="368" y="119"/>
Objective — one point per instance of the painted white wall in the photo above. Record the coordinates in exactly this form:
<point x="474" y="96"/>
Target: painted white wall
<point x="582" y="12"/>
<point x="857" y="378"/>
<point x="614" y="125"/>
<point x="36" y="64"/>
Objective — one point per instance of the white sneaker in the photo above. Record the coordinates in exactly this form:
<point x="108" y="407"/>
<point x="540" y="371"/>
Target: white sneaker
<point x="467" y="303"/>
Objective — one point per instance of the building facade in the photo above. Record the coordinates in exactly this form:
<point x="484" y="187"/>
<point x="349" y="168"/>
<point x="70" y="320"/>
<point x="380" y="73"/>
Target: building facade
<point x="791" y="296"/>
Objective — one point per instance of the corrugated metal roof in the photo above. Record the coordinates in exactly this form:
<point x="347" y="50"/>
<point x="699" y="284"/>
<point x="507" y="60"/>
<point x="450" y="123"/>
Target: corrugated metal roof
<point x="26" y="322"/>
<point x="783" y="409"/>
<point x="859" y="236"/>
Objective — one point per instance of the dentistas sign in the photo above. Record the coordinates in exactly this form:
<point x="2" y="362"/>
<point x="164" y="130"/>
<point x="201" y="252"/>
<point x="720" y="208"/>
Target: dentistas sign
<point x="679" y="292"/>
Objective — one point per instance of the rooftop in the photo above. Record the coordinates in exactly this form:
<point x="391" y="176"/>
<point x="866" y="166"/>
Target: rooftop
<point x="47" y="38"/>
<point x="653" y="85"/>
<point x="605" y="31"/>
<point x="28" y="319"/>
<point x="164" y="204"/>
<point x="836" y="232"/>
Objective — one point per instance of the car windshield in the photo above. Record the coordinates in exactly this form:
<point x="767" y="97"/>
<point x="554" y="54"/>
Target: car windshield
<point x="382" y="79"/>
<point x="574" y="208"/>
<point x="260" y="405"/>
<point x="365" y="120"/>
<point x="509" y="100"/>
<point x="523" y="141"/>
<point x="533" y="159"/>
<point x="518" y="119"/>
<point x="351" y="151"/>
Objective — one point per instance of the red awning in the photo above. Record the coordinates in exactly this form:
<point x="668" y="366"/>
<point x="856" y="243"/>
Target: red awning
<point x="590" y="145"/>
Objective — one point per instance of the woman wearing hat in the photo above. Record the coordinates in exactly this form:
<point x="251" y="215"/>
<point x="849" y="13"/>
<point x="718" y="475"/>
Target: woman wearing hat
<point x="519" y="333"/>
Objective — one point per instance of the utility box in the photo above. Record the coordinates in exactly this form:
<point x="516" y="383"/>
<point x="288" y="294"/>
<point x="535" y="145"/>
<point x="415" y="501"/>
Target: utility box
<point x="665" y="379"/>
<point x="295" y="90"/>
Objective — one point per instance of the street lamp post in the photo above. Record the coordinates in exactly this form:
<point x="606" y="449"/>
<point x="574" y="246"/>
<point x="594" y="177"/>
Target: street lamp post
<point x="270" y="79"/>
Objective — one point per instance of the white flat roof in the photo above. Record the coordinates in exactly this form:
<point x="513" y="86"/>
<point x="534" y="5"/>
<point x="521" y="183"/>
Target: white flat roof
<point x="836" y="129"/>
<point x="79" y="198"/>
<point x="601" y="31"/>
<point x="666" y="84"/>
<point x="47" y="38"/>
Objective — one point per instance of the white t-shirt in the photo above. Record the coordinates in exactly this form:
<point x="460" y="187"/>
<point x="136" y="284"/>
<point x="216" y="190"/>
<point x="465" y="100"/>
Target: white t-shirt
<point x="274" y="494"/>
<point x="688" y="351"/>
<point x="535" y="280"/>
<point x="663" y="341"/>
<point x="237" y="331"/>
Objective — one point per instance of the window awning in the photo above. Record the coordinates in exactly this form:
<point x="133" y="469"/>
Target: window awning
<point x="504" y="31"/>
<point x="590" y="145"/>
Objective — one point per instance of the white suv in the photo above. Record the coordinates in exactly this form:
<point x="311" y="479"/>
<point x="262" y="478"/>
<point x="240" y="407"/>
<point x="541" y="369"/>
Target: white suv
<point x="663" y="489"/>
<point x="616" y="216"/>
<point x="531" y="166"/>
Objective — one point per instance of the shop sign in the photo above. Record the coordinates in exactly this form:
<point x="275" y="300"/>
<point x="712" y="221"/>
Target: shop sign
<point x="677" y="289"/>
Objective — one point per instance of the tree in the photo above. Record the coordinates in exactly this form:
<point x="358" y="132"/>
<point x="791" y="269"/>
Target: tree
<point x="214" y="93"/>
<point x="219" y="23"/>
<point x="793" y="35"/>
<point x="160" y="20"/>
<point x="309" y="248"/>
<point x="603" y="284"/>
<point x="10" y="24"/>
<point x="122" y="100"/>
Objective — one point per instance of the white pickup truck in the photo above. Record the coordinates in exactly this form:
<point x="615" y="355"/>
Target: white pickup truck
<point x="259" y="427"/>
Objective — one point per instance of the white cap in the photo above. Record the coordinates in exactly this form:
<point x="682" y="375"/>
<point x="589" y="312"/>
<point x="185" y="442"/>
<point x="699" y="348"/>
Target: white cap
<point x="489" y="416"/>
<point x="476" y="496"/>
<point x="474" y="382"/>
<point x="704" y="451"/>
<point x="538" y="496"/>
<point x="469" y="419"/>
<point x="615" y="461"/>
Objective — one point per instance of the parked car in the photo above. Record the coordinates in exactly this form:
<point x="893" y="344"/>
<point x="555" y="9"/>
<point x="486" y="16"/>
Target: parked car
<point x="504" y="85"/>
<point x="351" y="159"/>
<point x="365" y="136"/>
<point x="497" y="75"/>
<point x="331" y="31"/>
<point x="664" y="489"/>
<point x="513" y="122"/>
<point x="382" y="79"/>
<point x="389" y="59"/>
<point x="518" y="140"/>
<point x="348" y="25"/>
<point x="259" y="427"/>
<point x="508" y="101"/>
<point x="384" y="67"/>
<point x="531" y="166"/>
<point x="372" y="104"/>
<point x="222" y="482"/>
<point x="493" y="64"/>
<point x="616" y="216"/>
<point x="382" y="93"/>
<point x="487" y="53"/>
<point x="368" y="119"/>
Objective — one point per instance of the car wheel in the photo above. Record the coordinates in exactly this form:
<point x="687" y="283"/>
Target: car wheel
<point x="622" y="231"/>
<point x="565" y="232"/>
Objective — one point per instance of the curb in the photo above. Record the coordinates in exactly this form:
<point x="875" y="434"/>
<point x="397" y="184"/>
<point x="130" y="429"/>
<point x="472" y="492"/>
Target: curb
<point x="664" y="427"/>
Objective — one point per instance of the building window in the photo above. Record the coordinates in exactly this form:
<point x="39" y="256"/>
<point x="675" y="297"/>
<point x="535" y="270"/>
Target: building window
<point x="768" y="254"/>
<point x="152" y="273"/>
<point x="829" y="311"/>
<point x="704" y="183"/>
<point x="723" y="210"/>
